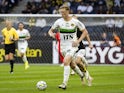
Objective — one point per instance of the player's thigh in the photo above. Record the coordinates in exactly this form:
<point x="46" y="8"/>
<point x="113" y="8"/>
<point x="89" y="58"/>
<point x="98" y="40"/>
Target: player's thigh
<point x="7" y="57"/>
<point x="11" y="56"/>
<point x="79" y="55"/>
<point x="69" y="54"/>
<point x="67" y="60"/>
<point x="22" y="48"/>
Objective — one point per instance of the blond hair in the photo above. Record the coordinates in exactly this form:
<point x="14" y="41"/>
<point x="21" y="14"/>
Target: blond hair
<point x="65" y="7"/>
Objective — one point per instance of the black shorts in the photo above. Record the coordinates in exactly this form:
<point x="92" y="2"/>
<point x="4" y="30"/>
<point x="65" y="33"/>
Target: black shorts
<point x="10" y="48"/>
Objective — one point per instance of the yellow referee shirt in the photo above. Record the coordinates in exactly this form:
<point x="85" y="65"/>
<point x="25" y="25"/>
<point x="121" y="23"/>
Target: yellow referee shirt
<point x="9" y="34"/>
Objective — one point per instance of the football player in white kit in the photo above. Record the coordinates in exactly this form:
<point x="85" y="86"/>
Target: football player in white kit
<point x="69" y="43"/>
<point x="24" y="35"/>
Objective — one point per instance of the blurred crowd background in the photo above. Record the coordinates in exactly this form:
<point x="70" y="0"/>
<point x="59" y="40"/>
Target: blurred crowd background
<point x="52" y="6"/>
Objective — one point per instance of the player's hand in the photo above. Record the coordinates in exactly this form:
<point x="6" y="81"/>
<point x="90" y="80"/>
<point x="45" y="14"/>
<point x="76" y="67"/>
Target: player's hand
<point x="11" y="39"/>
<point x="90" y="46"/>
<point x="52" y="35"/>
<point x="75" y="44"/>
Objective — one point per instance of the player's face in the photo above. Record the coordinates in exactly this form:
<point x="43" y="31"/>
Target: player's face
<point x="64" y="12"/>
<point x="21" y="26"/>
<point x="8" y="24"/>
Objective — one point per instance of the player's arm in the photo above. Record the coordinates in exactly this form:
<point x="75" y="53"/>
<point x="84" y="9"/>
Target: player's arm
<point x="54" y="26"/>
<point x="16" y="36"/>
<point x="88" y="39"/>
<point x="28" y="35"/>
<point x="51" y="33"/>
<point x="83" y="35"/>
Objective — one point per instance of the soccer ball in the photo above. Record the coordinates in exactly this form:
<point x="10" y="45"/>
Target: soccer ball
<point x="41" y="85"/>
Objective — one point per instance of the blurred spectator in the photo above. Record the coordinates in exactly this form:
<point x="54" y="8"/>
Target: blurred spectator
<point x="117" y="41"/>
<point x="76" y="6"/>
<point x="27" y="8"/>
<point x="89" y="8"/>
<point x="118" y="23"/>
<point x="32" y="21"/>
<point x="7" y="5"/>
<point x="104" y="42"/>
<point x="110" y="22"/>
<point x="67" y="3"/>
<point x="117" y="2"/>
<point x="101" y="10"/>
<point x="41" y="22"/>
<point x="120" y="9"/>
<point x="56" y="10"/>
<point x="81" y="8"/>
<point x="109" y="3"/>
<point x="101" y="2"/>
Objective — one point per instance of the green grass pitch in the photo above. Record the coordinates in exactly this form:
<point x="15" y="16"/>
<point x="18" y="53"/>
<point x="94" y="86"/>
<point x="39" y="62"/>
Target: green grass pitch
<point x="107" y="79"/>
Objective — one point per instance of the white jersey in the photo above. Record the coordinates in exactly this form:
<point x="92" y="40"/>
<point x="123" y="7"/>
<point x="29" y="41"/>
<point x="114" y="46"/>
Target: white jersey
<point x="68" y="29"/>
<point x="68" y="32"/>
<point x="22" y="35"/>
<point x="22" y="42"/>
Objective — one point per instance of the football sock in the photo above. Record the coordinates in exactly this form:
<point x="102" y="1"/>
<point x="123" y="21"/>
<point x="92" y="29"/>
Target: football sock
<point x="66" y="74"/>
<point x="84" y="60"/>
<point x="87" y="75"/>
<point x="11" y="65"/>
<point x="78" y="71"/>
<point x="24" y="58"/>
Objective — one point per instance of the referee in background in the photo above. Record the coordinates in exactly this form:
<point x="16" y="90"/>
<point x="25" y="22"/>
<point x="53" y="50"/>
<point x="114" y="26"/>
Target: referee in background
<point x="9" y="36"/>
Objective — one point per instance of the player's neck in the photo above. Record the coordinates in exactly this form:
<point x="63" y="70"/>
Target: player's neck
<point x="21" y="29"/>
<point x="68" y="18"/>
<point x="8" y="28"/>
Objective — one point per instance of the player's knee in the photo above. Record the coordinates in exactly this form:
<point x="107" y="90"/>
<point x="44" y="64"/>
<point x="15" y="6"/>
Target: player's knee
<point x="6" y="59"/>
<point x="11" y="57"/>
<point x="72" y="65"/>
<point x="67" y="60"/>
<point x="78" y="60"/>
<point x="66" y="63"/>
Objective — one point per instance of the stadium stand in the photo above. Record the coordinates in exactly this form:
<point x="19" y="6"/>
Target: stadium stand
<point x="76" y="6"/>
<point x="6" y="6"/>
<point x="52" y="6"/>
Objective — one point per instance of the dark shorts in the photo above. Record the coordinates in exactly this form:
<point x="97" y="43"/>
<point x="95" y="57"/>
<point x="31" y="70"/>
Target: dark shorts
<point x="10" y="48"/>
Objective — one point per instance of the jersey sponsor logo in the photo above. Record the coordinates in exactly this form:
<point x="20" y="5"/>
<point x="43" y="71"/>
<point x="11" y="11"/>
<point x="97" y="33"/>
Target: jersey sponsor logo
<point x="67" y="37"/>
<point x="72" y="25"/>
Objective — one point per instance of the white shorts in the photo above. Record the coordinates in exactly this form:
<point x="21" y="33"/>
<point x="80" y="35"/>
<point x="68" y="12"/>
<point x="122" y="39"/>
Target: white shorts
<point x="68" y="50"/>
<point x="22" y="46"/>
<point x="80" y="53"/>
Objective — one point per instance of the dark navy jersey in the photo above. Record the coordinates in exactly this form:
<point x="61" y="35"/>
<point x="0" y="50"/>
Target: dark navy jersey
<point x="81" y="45"/>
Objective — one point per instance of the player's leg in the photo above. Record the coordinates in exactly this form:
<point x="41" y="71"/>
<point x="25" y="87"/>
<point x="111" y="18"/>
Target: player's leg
<point x="67" y="60"/>
<point x="82" y="62"/>
<point x="22" y="50"/>
<point x="12" y="61"/>
<point x="66" y="73"/>
<point x="76" y="69"/>
<point x="11" y="56"/>
<point x="24" y="58"/>
<point x="8" y="56"/>
<point x="87" y="74"/>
